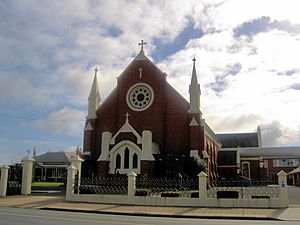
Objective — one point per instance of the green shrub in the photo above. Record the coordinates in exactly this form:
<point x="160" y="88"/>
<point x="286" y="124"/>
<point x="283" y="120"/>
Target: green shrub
<point x="260" y="196"/>
<point x="142" y="192"/>
<point x="170" y="194"/>
<point x="195" y="194"/>
<point x="227" y="194"/>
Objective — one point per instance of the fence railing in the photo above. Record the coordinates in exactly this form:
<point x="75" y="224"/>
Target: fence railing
<point x="158" y="185"/>
<point x="245" y="188"/>
<point x="13" y="188"/>
<point x="103" y="185"/>
<point x="104" y="190"/>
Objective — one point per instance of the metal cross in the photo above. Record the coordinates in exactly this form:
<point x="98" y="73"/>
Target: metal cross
<point x="194" y="59"/>
<point x="96" y="70"/>
<point x="141" y="71"/>
<point x="127" y="115"/>
<point x="142" y="45"/>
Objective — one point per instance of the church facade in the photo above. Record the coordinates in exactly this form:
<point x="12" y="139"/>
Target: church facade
<point x="146" y="126"/>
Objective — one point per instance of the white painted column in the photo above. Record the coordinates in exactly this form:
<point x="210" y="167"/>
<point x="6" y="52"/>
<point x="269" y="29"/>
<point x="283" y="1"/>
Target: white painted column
<point x="27" y="175"/>
<point x="282" y="183"/>
<point x="3" y="180"/>
<point x="76" y="161"/>
<point x="202" y="185"/>
<point x="70" y="182"/>
<point x="131" y="184"/>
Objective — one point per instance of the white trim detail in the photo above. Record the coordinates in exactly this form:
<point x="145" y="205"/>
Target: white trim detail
<point x="88" y="127"/>
<point x="194" y="153"/>
<point x="127" y="128"/>
<point x="193" y="122"/>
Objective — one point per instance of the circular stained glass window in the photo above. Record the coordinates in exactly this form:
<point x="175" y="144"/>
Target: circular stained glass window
<point x="140" y="97"/>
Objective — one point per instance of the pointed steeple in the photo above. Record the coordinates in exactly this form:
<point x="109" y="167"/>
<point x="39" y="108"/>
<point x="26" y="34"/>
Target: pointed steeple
<point x="94" y="98"/>
<point x="195" y="92"/>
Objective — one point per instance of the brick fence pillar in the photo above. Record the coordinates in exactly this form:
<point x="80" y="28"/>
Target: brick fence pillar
<point x="202" y="185"/>
<point x="282" y="183"/>
<point x="27" y="175"/>
<point x="72" y="170"/>
<point x="3" y="180"/>
<point x="131" y="184"/>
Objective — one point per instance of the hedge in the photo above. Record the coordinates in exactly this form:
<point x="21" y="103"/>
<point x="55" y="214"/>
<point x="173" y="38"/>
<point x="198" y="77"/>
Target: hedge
<point x="142" y="192"/>
<point x="170" y="194"/>
<point x="227" y="194"/>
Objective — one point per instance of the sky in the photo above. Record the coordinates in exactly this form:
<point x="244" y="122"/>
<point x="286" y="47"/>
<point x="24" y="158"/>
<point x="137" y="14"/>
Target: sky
<point x="247" y="64"/>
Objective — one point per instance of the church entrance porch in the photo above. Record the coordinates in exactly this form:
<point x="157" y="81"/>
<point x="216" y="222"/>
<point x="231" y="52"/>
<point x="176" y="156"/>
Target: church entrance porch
<point x="124" y="158"/>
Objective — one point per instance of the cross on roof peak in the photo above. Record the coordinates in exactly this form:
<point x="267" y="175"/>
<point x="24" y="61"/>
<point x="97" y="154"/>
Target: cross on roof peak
<point x="142" y="44"/>
<point x="194" y="59"/>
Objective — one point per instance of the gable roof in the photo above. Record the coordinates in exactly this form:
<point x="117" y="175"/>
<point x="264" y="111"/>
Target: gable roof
<point x="234" y="140"/>
<point x="55" y="157"/>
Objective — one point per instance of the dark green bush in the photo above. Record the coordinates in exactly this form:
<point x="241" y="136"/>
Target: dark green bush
<point x="195" y="194"/>
<point x="142" y="192"/>
<point x="170" y="194"/>
<point x="227" y="194"/>
<point x="260" y="196"/>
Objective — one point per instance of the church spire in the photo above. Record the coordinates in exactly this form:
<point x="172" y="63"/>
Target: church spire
<point x="195" y="92"/>
<point x="94" y="98"/>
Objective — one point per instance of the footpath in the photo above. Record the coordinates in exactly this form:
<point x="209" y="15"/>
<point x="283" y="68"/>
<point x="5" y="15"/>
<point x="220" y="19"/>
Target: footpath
<point x="59" y="203"/>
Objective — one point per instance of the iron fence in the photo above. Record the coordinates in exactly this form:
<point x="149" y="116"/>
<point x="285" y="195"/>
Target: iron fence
<point x="157" y="185"/>
<point x="103" y="185"/>
<point x="245" y="188"/>
<point x="13" y="188"/>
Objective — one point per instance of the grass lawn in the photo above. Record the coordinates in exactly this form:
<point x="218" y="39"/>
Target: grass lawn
<point x="46" y="184"/>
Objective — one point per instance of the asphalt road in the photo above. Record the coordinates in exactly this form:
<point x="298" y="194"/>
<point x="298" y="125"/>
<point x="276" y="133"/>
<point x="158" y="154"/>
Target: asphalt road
<point x="20" y="216"/>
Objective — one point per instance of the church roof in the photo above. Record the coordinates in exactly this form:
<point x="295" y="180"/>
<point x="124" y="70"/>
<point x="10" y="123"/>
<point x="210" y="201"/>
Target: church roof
<point x="234" y="140"/>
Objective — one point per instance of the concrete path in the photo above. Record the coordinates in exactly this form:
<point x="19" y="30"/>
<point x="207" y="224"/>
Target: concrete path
<point x="59" y="203"/>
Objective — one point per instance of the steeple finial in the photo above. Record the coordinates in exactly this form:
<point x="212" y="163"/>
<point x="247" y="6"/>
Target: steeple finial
<point x="96" y="70"/>
<point x="142" y="45"/>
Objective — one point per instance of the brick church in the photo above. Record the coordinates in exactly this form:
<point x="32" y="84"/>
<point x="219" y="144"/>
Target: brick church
<point x="146" y="126"/>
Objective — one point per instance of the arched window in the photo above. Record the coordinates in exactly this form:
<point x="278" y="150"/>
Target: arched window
<point x="126" y="158"/>
<point x="118" y="161"/>
<point x="135" y="161"/>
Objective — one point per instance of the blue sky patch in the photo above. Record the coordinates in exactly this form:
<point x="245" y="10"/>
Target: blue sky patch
<point x="253" y="27"/>
<point x="264" y="24"/>
<point x="113" y="31"/>
<point x="163" y="50"/>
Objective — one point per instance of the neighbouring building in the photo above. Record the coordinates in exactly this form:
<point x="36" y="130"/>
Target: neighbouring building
<point x="51" y="166"/>
<point x="146" y="126"/>
<point x="242" y="154"/>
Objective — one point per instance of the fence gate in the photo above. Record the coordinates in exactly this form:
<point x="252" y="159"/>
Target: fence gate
<point x="14" y="182"/>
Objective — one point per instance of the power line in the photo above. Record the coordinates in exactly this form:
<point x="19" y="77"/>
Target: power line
<point x="35" y="119"/>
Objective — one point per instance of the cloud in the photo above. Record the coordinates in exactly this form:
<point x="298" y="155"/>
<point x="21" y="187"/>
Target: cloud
<point x="67" y="121"/>
<point x="274" y="134"/>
